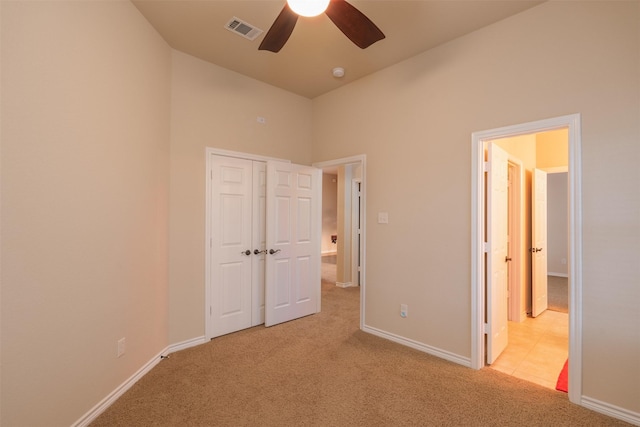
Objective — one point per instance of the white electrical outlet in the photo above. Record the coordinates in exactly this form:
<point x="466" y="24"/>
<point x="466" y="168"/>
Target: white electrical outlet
<point x="404" y="310"/>
<point x="121" y="347"/>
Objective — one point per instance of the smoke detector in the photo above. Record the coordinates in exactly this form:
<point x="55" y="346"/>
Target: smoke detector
<point x="338" y="72"/>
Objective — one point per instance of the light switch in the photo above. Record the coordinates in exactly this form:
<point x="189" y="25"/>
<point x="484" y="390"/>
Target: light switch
<point x="383" y="217"/>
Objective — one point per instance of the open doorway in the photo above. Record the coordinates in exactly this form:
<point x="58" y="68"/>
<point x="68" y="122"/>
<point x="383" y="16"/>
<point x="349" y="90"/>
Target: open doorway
<point x="481" y="323"/>
<point x="343" y="234"/>
<point x="329" y="248"/>
<point x="537" y="327"/>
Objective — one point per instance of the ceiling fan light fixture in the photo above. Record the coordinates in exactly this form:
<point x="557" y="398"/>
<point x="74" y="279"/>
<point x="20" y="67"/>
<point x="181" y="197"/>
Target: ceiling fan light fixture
<point x="308" y="7"/>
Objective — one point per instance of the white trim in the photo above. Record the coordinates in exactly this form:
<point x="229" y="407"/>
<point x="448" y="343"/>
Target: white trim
<point x="98" y="409"/>
<point x="329" y="253"/>
<point x="193" y="342"/>
<point x="572" y="122"/>
<point x="209" y="152"/>
<point x="362" y="160"/>
<point x="551" y="273"/>
<point x="356" y="217"/>
<point x="434" y="351"/>
<point x="345" y="285"/>
<point x="102" y="406"/>
<point x="611" y="410"/>
<point x="575" y="258"/>
<point x="239" y="155"/>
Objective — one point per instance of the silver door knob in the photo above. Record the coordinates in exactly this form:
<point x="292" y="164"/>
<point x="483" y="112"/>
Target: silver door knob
<point x="271" y="251"/>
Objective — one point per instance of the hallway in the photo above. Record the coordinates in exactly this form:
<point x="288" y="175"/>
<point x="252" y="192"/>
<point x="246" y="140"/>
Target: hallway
<point x="328" y="269"/>
<point x="537" y="350"/>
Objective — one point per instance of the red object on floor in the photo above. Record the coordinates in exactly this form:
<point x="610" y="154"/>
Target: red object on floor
<point x="563" y="381"/>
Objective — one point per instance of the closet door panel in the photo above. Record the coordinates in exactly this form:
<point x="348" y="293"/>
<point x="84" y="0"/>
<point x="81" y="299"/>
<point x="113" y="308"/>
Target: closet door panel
<point x="231" y="266"/>
<point x="293" y="239"/>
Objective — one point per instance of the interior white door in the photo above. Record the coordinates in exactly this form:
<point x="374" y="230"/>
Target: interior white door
<point x="294" y="198"/>
<point x="497" y="210"/>
<point x="259" y="238"/>
<point x="231" y="243"/>
<point x="539" y="296"/>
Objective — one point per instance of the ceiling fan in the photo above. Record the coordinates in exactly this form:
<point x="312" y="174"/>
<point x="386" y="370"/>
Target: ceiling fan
<point x="353" y="23"/>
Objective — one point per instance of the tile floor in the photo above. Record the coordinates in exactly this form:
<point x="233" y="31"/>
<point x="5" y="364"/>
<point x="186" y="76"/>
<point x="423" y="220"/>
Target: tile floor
<point x="537" y="349"/>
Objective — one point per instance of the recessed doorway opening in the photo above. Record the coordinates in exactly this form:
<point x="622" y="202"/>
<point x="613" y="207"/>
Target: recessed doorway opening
<point x="346" y="235"/>
<point x="537" y="329"/>
<point x="481" y="321"/>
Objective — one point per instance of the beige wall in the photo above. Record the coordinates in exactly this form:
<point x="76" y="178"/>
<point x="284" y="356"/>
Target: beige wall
<point x="420" y="115"/>
<point x="103" y="140"/>
<point x="85" y="174"/>
<point x="214" y="107"/>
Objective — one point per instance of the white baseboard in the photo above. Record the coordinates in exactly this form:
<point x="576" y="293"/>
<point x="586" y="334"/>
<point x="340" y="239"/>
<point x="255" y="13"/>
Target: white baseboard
<point x="589" y="403"/>
<point x="345" y="284"/>
<point x="327" y="253"/>
<point x="443" y="354"/>
<point x="102" y="406"/>
<point x="186" y="344"/>
<point x="94" y="412"/>
<point x="551" y="273"/>
<point x="611" y="410"/>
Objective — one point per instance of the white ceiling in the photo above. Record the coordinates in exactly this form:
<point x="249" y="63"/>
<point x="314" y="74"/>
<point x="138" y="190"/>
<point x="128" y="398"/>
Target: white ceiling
<point x="303" y="66"/>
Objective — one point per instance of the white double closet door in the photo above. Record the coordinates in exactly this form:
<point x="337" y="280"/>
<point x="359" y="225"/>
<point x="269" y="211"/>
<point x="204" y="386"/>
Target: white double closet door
<point x="265" y="226"/>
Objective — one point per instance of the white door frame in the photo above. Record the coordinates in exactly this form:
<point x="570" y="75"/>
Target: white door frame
<point x="356" y="218"/>
<point x="362" y="161"/>
<point x="572" y="122"/>
<point x="209" y="152"/>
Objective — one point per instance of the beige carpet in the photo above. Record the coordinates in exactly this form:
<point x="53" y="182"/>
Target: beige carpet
<point x="323" y="371"/>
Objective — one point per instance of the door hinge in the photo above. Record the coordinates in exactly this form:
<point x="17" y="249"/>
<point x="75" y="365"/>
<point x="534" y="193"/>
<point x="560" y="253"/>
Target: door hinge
<point x="486" y="166"/>
<point x="485" y="328"/>
<point x="485" y="247"/>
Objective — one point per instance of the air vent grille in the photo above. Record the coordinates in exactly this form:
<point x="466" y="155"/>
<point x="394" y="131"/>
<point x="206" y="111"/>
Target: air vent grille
<point x="243" y="28"/>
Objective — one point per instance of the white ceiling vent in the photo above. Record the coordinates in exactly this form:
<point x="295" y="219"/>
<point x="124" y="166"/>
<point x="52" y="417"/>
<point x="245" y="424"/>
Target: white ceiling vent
<point x="243" y="28"/>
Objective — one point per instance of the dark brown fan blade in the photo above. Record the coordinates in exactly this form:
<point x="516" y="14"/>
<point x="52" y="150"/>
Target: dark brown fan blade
<point x="353" y="23"/>
<point x="280" y="31"/>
